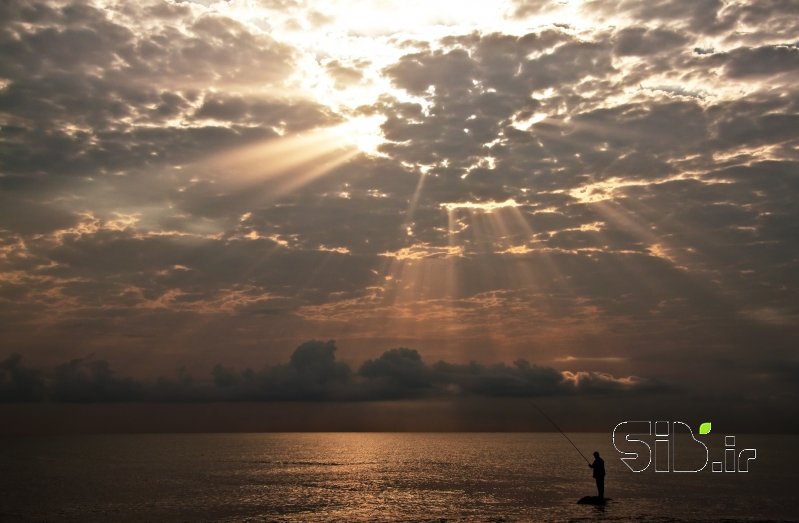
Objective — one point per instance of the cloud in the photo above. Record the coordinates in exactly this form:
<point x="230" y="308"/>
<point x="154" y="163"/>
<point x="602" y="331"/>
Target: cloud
<point x="399" y="373"/>
<point x="89" y="380"/>
<point x="704" y="16"/>
<point x="638" y="41"/>
<point x="312" y="373"/>
<point x="604" y="179"/>
<point x="600" y="381"/>
<point x="763" y="61"/>
<point x="19" y="383"/>
<point x="88" y="93"/>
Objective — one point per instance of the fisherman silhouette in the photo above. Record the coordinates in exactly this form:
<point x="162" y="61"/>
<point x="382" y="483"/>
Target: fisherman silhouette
<point x="599" y="474"/>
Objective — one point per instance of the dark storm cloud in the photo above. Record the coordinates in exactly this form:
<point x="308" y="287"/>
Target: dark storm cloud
<point x="312" y="373"/>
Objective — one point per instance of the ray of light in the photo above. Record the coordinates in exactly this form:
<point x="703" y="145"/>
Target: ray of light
<point x="415" y="198"/>
<point x="628" y="216"/>
<point x="694" y="262"/>
<point x="267" y="169"/>
<point x="452" y="283"/>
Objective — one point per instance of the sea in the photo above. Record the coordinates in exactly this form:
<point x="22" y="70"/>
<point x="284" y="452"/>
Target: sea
<point x="430" y="477"/>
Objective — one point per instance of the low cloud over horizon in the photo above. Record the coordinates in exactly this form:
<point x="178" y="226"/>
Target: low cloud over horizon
<point x="311" y="374"/>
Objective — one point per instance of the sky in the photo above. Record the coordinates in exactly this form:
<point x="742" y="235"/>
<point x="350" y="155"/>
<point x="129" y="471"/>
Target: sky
<point x="592" y="203"/>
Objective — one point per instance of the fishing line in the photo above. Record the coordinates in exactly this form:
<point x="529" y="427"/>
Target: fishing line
<point x="559" y="430"/>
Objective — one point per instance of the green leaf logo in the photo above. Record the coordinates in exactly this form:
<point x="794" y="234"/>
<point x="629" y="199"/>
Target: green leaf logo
<point x="704" y="428"/>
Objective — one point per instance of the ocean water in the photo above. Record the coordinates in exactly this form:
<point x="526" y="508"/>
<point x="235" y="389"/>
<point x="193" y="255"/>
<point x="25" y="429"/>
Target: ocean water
<point x="372" y="477"/>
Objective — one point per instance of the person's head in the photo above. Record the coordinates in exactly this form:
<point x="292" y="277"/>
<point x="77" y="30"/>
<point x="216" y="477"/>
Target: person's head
<point x="596" y="454"/>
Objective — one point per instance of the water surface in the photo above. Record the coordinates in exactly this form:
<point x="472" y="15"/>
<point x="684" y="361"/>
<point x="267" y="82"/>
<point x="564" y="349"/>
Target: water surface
<point x="370" y="476"/>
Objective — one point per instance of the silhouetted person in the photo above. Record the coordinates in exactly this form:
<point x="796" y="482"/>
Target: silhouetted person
<point x="599" y="474"/>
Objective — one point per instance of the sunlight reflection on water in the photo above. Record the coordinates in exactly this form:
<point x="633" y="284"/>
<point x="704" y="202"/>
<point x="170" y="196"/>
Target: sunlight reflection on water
<point x="370" y="476"/>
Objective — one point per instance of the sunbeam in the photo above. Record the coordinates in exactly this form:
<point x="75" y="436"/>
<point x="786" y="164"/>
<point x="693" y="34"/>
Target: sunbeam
<point x="280" y="165"/>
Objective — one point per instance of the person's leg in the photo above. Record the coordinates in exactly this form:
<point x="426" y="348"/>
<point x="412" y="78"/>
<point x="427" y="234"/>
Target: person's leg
<point x="600" y="484"/>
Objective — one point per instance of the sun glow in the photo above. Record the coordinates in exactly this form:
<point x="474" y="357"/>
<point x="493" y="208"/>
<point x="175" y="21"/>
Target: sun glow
<point x="362" y="132"/>
<point x="344" y="46"/>
<point x="342" y="50"/>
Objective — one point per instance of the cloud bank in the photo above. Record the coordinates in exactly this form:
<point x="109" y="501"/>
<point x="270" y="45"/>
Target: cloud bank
<point x="311" y="374"/>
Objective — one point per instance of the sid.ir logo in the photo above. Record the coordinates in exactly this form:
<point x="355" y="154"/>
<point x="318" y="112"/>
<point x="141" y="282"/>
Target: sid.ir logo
<point x="634" y="441"/>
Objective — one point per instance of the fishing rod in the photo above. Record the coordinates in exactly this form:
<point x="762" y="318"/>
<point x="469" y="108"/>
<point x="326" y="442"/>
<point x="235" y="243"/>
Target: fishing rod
<point x="559" y="430"/>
